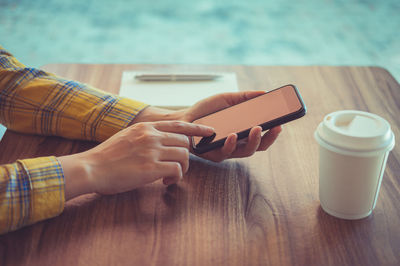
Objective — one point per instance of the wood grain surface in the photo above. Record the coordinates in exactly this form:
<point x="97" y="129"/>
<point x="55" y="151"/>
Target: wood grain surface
<point x="262" y="210"/>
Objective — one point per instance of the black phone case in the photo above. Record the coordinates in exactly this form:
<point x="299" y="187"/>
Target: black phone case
<point x="265" y="126"/>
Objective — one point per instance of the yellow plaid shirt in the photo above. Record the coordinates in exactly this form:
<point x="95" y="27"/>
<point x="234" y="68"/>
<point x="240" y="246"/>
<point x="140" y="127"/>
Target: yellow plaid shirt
<point x="36" y="102"/>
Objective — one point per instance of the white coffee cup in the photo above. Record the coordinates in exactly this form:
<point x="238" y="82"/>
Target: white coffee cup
<point x="353" y="149"/>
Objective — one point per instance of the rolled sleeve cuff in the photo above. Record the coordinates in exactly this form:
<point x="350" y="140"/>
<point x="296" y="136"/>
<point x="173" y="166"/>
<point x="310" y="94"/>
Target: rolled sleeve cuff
<point x="47" y="185"/>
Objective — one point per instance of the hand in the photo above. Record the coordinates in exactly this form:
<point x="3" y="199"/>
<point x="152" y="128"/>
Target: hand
<point x="137" y="155"/>
<point x="232" y="148"/>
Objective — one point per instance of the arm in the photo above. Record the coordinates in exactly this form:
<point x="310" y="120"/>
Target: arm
<point x="33" y="101"/>
<point x="36" y="189"/>
<point x="36" y="102"/>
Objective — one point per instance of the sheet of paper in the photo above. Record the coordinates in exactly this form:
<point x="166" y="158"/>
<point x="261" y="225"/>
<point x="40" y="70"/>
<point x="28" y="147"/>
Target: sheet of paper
<point x="175" y="94"/>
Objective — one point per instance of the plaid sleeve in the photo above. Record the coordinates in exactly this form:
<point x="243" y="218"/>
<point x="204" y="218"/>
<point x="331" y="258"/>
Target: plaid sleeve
<point x="30" y="190"/>
<point x="33" y="101"/>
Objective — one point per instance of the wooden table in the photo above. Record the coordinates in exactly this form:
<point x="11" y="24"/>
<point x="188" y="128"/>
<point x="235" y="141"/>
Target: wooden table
<point x="259" y="210"/>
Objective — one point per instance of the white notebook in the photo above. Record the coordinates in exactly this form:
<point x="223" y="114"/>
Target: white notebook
<point x="175" y="94"/>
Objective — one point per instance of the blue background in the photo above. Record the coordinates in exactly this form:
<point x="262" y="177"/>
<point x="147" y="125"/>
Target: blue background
<point x="313" y="32"/>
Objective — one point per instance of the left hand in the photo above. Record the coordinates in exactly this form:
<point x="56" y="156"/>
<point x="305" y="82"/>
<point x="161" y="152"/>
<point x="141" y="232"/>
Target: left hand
<point x="232" y="147"/>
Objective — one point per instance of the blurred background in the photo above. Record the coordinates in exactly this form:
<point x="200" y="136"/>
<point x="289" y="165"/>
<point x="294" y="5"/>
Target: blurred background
<point x="252" y="32"/>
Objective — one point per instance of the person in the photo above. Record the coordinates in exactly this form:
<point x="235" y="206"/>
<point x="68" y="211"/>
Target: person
<point x="139" y="144"/>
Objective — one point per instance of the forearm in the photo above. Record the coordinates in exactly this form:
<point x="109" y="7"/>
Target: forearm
<point x="33" y="101"/>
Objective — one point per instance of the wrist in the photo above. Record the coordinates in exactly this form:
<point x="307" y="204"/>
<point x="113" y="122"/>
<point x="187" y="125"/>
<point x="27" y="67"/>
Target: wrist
<point x="152" y="114"/>
<point x="76" y="176"/>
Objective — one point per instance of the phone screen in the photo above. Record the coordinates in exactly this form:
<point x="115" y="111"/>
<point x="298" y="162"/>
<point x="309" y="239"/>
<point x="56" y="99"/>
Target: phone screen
<point x="267" y="107"/>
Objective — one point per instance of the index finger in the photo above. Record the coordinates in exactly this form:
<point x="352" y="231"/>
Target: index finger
<point x="180" y="127"/>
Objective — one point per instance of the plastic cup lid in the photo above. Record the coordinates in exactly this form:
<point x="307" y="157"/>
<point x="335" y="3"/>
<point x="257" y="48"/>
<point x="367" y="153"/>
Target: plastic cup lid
<point x="355" y="131"/>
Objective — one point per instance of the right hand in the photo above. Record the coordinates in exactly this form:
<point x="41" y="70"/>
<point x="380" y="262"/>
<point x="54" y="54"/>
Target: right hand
<point x="137" y="155"/>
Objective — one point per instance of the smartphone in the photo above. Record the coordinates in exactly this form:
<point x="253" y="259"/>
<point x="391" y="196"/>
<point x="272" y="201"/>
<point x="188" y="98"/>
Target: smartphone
<point x="275" y="107"/>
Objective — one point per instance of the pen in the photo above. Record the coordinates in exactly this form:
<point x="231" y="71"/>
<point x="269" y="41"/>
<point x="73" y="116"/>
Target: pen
<point x="176" y="77"/>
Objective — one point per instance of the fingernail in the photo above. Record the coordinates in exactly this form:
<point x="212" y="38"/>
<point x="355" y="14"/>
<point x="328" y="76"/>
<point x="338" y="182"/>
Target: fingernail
<point x="210" y="128"/>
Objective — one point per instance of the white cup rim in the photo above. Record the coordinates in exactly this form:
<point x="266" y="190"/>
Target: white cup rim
<point x="333" y="139"/>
